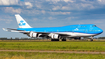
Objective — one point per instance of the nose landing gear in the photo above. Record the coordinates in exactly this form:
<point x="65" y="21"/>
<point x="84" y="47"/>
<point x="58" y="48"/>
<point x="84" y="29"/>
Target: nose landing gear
<point x="91" y="38"/>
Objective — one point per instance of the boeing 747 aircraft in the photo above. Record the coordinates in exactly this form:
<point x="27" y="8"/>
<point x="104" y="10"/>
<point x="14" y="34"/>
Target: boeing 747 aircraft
<point x="56" y="33"/>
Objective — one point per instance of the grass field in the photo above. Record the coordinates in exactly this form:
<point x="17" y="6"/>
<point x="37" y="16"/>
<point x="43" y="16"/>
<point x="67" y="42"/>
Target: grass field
<point x="65" y="46"/>
<point x="35" y="55"/>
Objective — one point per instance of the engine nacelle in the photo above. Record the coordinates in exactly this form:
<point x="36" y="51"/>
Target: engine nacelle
<point x="33" y="34"/>
<point x="54" y="36"/>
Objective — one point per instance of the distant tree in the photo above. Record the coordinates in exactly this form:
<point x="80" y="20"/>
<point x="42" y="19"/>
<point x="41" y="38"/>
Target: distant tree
<point x="16" y="38"/>
<point x="101" y="38"/>
<point x="3" y="38"/>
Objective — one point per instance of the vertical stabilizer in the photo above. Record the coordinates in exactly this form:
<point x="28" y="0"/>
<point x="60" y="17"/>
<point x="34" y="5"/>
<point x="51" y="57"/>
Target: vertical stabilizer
<point x="21" y="22"/>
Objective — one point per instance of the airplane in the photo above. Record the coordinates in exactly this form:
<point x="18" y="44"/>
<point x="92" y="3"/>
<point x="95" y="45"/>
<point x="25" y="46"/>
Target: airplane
<point x="56" y="33"/>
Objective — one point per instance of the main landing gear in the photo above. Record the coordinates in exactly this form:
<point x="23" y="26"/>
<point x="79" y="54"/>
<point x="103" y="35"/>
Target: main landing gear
<point x="64" y="39"/>
<point x="77" y="38"/>
<point x="54" y="39"/>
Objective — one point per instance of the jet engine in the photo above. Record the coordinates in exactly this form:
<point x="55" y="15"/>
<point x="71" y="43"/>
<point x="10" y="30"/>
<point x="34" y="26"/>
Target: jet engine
<point x="54" y="36"/>
<point x="33" y="34"/>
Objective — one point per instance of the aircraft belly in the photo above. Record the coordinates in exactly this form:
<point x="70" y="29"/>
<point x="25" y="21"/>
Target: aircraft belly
<point x="74" y="34"/>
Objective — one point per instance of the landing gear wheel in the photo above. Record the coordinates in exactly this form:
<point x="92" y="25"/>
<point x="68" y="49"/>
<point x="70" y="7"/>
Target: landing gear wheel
<point x="91" y="39"/>
<point x="63" y="39"/>
<point x="54" y="39"/>
<point x="79" y="38"/>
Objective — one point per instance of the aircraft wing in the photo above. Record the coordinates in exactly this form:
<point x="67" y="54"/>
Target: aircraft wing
<point x="21" y="31"/>
<point x="14" y="30"/>
<point x="27" y="32"/>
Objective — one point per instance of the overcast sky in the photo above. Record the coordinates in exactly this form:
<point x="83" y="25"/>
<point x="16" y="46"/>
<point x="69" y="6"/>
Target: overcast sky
<point x="51" y="13"/>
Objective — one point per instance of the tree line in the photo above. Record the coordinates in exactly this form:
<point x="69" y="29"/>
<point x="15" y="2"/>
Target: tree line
<point x="21" y="38"/>
<point x="35" y="38"/>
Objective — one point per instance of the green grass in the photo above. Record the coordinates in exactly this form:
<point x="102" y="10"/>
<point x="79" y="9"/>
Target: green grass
<point x="66" y="46"/>
<point x="36" y="55"/>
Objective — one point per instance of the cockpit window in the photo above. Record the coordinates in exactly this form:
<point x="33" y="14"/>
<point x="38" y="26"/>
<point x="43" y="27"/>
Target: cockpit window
<point x="94" y="26"/>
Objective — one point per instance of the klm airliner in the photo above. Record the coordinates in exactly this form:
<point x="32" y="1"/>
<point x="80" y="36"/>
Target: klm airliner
<point x="56" y="33"/>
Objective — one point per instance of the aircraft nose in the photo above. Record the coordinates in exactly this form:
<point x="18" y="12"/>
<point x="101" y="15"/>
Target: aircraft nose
<point x="101" y="31"/>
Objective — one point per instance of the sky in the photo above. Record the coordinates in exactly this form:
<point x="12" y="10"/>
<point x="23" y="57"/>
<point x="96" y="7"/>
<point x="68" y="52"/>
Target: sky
<point x="51" y="13"/>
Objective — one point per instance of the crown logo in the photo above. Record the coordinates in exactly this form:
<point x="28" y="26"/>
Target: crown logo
<point x="22" y="23"/>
